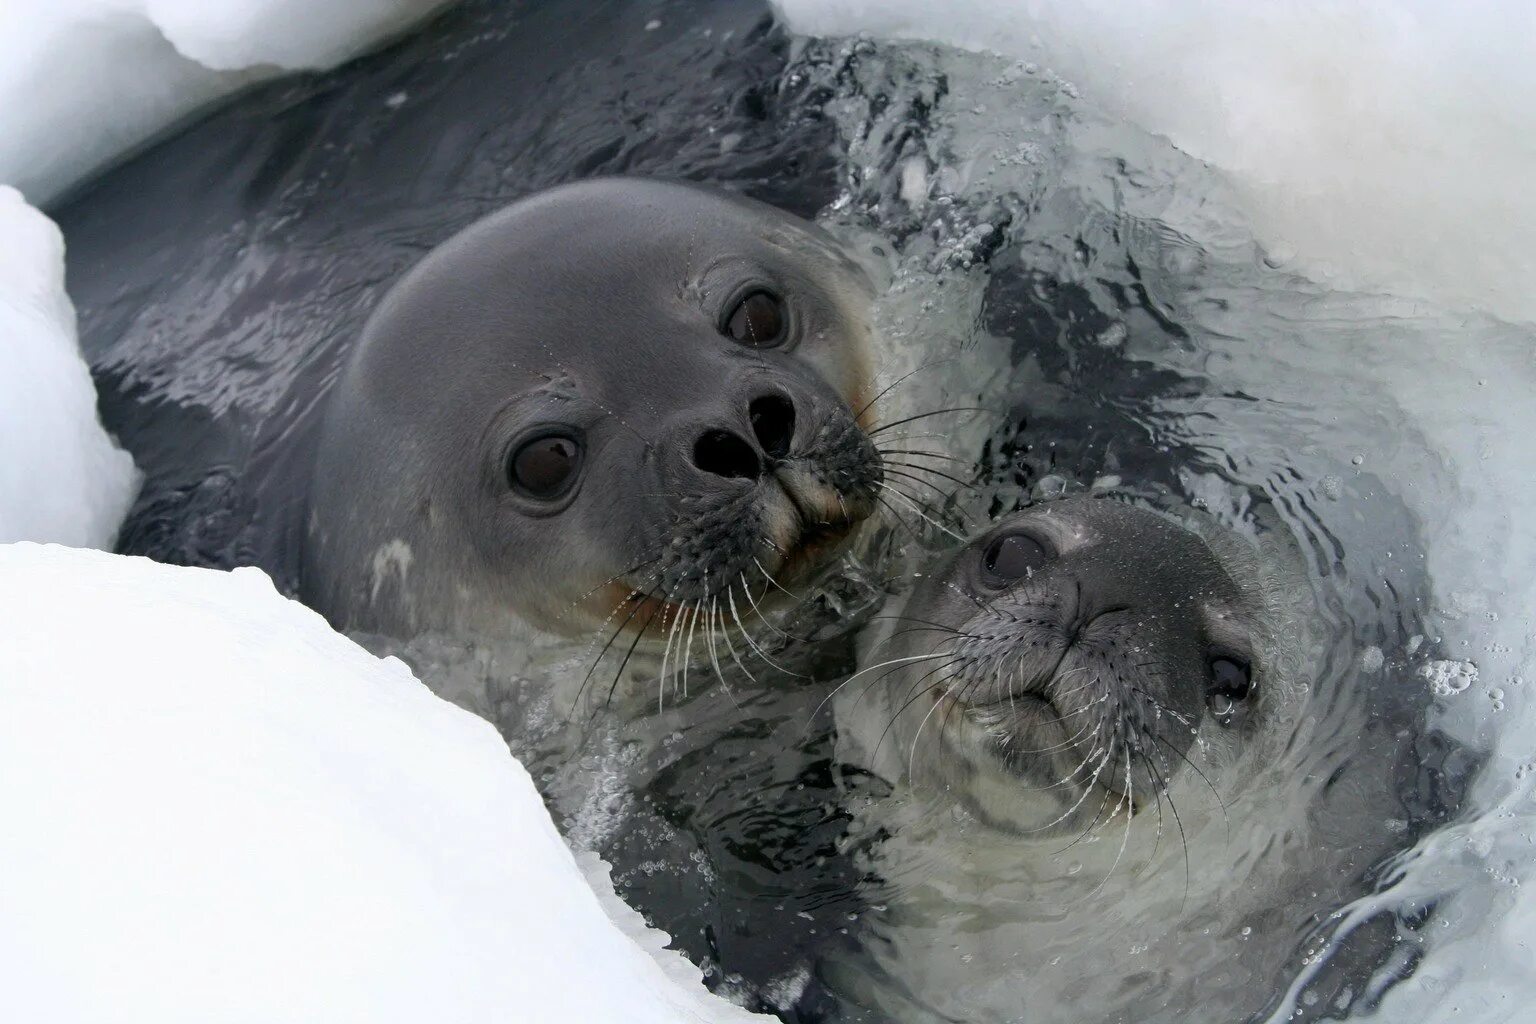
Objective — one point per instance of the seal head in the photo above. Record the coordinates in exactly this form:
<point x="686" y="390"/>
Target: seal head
<point x="1055" y="671"/>
<point x="611" y="400"/>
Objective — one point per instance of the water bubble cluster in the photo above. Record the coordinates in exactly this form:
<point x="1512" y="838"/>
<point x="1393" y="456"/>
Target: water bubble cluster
<point x="1448" y="677"/>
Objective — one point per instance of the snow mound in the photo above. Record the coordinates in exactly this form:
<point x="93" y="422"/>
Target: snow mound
<point x="216" y="808"/>
<point x="1381" y="144"/>
<point x="81" y="81"/>
<point x="61" y="477"/>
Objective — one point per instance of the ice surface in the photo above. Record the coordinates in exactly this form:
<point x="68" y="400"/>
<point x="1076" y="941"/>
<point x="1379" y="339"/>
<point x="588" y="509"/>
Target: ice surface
<point x="61" y="477"/>
<point x="216" y="808"/>
<point x="83" y="80"/>
<point x="1382" y="144"/>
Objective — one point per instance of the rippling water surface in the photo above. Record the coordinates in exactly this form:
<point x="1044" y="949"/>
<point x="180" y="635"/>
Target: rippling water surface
<point x="1097" y="299"/>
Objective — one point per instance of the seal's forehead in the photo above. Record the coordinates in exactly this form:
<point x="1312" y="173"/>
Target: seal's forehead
<point x="635" y="226"/>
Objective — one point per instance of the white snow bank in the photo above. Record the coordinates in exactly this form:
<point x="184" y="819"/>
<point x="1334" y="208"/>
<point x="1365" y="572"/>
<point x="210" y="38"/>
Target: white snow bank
<point x="83" y="80"/>
<point x="217" y="809"/>
<point x="1383" y="143"/>
<point x="61" y="477"/>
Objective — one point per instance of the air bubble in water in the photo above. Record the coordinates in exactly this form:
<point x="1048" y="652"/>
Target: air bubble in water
<point x="1447" y="677"/>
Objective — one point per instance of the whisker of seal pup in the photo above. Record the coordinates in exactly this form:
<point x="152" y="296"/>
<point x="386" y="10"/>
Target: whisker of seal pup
<point x="688" y="648"/>
<point x="714" y="653"/>
<point x="580" y="690"/>
<point x="898" y="662"/>
<point x="764" y="618"/>
<point x="918" y="735"/>
<point x="1183" y="840"/>
<point x="912" y="618"/>
<point x="747" y="634"/>
<point x="927" y="504"/>
<point x="767" y="621"/>
<point x="924" y="415"/>
<point x="725" y="634"/>
<point x="941" y="492"/>
<point x="610" y="580"/>
<point x="674" y="627"/>
<point x="1192" y="766"/>
<point x="1093" y="783"/>
<point x="920" y="687"/>
<point x="619" y="673"/>
<point x="897" y="518"/>
<point x="922" y="453"/>
<point x="969" y="485"/>
<point x="908" y="436"/>
<point x="889" y="488"/>
<point x="906" y="376"/>
<point x="934" y="515"/>
<point x="769" y="576"/>
<point x="982" y="604"/>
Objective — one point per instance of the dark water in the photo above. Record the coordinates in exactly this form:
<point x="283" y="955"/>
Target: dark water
<point x="221" y="274"/>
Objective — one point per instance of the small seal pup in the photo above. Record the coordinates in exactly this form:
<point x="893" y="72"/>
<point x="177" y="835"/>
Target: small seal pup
<point x="1088" y="718"/>
<point x="615" y="402"/>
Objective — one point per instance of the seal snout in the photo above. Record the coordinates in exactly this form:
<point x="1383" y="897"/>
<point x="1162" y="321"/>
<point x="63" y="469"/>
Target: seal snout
<point x="726" y="453"/>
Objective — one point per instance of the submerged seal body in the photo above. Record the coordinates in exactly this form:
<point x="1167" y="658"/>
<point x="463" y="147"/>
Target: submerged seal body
<point x="612" y="402"/>
<point x="1089" y="721"/>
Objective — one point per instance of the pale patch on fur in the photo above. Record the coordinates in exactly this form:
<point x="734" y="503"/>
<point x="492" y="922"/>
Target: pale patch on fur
<point x="391" y="560"/>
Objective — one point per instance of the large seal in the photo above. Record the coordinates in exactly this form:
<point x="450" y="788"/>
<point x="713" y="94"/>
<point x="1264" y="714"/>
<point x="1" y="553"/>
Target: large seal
<point x="1086" y="716"/>
<point x="614" y="402"/>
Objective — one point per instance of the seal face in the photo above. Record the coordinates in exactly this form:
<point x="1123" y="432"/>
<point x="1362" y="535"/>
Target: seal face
<point x="1054" y="673"/>
<point x="611" y="401"/>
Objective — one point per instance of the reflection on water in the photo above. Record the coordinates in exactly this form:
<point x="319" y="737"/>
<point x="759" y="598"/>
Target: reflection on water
<point x="1092" y="298"/>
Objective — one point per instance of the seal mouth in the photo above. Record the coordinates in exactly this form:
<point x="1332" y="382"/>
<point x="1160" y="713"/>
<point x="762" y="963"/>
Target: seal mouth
<point x="782" y="550"/>
<point x="1028" y="737"/>
<point x="815" y="539"/>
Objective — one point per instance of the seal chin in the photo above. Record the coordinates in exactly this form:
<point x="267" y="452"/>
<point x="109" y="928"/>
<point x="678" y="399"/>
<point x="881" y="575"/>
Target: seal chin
<point x="1028" y="740"/>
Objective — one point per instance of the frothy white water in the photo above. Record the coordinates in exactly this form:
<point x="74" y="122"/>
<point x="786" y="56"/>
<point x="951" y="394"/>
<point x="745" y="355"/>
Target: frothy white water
<point x="62" y="478"/>
<point x="1386" y="144"/>
<point x="81" y="81"/>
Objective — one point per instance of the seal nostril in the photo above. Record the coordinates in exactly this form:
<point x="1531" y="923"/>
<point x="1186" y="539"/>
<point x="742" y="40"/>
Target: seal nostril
<point x="773" y="421"/>
<point x="726" y="454"/>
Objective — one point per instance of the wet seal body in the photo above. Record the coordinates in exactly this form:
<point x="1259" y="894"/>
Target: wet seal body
<point x="1089" y="720"/>
<point x="609" y="404"/>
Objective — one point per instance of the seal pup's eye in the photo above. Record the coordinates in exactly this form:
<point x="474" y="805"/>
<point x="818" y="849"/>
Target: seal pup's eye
<point x="545" y="467"/>
<point x="1014" y="556"/>
<point x="1231" y="684"/>
<point x="757" y="321"/>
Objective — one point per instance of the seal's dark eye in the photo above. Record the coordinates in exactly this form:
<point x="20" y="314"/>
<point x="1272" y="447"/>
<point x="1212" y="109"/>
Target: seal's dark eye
<point x="545" y="467"/>
<point x="1014" y="556"/>
<point x="757" y="321"/>
<point x="1231" y="684"/>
